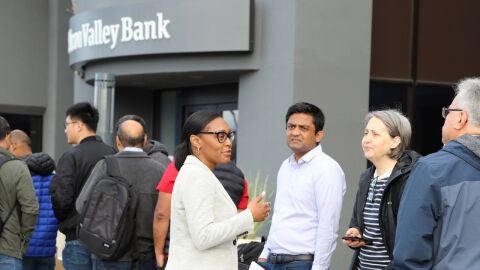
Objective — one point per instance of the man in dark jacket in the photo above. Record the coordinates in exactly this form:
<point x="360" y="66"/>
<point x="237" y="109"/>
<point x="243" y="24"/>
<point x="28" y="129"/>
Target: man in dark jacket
<point x="41" y="249"/>
<point x="438" y="220"/>
<point x="157" y="151"/>
<point x="143" y="173"/>
<point x="18" y="205"/>
<point x="73" y="169"/>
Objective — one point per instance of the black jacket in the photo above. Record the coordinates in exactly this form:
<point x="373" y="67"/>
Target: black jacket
<point x="232" y="179"/>
<point x="73" y="169"/>
<point x="40" y="164"/>
<point x="390" y="201"/>
<point x="157" y="151"/>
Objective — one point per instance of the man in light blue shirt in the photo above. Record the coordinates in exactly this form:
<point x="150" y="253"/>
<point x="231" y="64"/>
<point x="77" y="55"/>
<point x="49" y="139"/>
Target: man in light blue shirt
<point x="310" y="189"/>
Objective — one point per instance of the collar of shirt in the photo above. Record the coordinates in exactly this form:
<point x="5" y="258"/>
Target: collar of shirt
<point x="307" y="157"/>
<point x="132" y="149"/>
<point x="383" y="176"/>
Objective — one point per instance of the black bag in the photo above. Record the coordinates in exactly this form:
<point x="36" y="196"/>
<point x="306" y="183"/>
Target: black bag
<point x="3" y="160"/>
<point x="107" y="224"/>
<point x="249" y="252"/>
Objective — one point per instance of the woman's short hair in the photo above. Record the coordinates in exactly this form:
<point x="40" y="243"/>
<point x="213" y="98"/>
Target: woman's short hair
<point x="194" y="124"/>
<point x="397" y="125"/>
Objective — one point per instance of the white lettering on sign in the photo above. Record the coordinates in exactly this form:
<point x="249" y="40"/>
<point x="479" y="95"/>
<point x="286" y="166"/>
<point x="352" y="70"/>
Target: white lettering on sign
<point x="98" y="34"/>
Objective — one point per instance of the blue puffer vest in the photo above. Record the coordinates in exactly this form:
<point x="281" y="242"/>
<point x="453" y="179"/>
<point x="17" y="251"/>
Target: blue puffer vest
<point x="42" y="243"/>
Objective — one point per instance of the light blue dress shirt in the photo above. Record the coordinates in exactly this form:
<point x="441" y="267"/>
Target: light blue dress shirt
<point x="307" y="208"/>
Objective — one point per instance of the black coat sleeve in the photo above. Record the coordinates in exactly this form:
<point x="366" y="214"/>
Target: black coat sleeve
<point x="62" y="187"/>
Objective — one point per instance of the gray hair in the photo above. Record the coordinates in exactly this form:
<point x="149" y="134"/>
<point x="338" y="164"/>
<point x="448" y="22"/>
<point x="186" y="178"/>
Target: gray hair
<point x="468" y="97"/>
<point x="397" y="125"/>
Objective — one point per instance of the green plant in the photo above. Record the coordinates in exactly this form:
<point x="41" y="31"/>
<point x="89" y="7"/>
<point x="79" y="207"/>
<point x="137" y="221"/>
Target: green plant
<point x="255" y="188"/>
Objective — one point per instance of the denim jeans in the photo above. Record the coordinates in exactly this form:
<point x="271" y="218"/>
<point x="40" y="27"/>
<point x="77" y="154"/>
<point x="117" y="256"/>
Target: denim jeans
<point x="76" y="256"/>
<point x="10" y="263"/>
<point x="104" y="265"/>
<point x="126" y="265"/>
<point x="38" y="263"/>
<point x="295" y="265"/>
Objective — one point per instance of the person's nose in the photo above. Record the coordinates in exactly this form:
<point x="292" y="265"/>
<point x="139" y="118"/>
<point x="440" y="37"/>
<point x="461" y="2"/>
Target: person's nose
<point x="366" y="138"/>
<point x="295" y="131"/>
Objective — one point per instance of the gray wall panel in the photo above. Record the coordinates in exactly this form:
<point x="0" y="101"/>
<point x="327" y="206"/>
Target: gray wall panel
<point x="23" y="56"/>
<point x="332" y="60"/>
<point x="60" y="79"/>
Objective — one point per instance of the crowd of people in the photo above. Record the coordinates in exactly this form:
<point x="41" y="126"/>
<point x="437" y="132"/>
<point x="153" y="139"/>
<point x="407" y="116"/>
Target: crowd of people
<point x="129" y="206"/>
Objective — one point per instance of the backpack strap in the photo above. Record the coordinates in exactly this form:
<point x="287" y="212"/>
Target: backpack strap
<point x="10" y="213"/>
<point x="113" y="169"/>
<point x="112" y="166"/>
<point x="3" y="160"/>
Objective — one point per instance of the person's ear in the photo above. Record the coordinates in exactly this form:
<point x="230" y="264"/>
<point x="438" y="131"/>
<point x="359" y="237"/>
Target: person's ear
<point x="145" y="139"/>
<point x="79" y="126"/>
<point x="196" y="144"/>
<point x="118" y="143"/>
<point x="195" y="141"/>
<point x="462" y="120"/>
<point x="396" y="142"/>
<point x="319" y="136"/>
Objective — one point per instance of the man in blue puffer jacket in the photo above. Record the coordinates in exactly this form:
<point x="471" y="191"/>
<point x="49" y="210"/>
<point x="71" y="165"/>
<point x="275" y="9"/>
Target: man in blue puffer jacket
<point x="40" y="254"/>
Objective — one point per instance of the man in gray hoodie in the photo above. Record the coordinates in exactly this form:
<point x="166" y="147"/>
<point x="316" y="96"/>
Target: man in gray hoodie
<point x="438" y="220"/>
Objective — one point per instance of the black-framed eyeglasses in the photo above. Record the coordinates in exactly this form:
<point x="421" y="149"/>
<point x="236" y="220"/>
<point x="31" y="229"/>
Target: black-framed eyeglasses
<point x="68" y="123"/>
<point x="446" y="111"/>
<point x="371" y="189"/>
<point x="221" y="135"/>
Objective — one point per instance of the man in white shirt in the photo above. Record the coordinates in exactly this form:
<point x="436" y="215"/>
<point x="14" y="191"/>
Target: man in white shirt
<point x="310" y="189"/>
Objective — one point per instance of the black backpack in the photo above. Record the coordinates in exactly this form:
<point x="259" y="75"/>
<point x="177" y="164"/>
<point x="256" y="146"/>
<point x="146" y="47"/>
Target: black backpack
<point x="3" y="160"/>
<point x="108" y="218"/>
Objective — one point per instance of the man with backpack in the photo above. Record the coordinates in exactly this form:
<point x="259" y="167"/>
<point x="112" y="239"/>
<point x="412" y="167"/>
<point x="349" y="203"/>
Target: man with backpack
<point x="130" y="177"/>
<point x="73" y="168"/>
<point x="18" y="204"/>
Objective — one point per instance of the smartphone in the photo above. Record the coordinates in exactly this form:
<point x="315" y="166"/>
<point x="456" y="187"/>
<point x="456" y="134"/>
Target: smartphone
<point x="355" y="238"/>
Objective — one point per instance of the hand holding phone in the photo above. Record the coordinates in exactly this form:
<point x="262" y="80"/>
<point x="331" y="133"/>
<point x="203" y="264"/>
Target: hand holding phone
<point x="355" y="239"/>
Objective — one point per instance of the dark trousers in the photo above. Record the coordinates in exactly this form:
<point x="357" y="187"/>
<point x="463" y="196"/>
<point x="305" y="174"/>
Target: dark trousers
<point x="123" y="265"/>
<point x="38" y="263"/>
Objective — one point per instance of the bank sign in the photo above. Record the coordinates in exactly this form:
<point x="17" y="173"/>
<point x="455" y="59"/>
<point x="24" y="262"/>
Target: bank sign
<point x="163" y="27"/>
<point x="98" y="33"/>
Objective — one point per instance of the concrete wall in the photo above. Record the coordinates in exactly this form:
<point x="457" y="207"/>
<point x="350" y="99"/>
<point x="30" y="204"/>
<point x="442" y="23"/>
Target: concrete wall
<point x="23" y="54"/>
<point x="332" y="70"/>
<point x="60" y="79"/>
<point x="34" y="71"/>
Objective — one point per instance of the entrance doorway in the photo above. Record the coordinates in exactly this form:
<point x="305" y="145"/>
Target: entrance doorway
<point x="30" y="124"/>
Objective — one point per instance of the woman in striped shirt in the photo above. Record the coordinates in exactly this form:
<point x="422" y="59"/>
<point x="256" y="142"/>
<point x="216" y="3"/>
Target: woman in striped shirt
<point x="373" y="223"/>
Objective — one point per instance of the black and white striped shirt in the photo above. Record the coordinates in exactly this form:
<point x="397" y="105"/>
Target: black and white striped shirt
<point x="374" y="256"/>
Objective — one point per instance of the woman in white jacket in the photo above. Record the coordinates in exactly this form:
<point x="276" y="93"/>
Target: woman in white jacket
<point x="204" y="220"/>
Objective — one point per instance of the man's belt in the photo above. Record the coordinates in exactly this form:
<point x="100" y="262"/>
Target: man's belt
<point x="285" y="258"/>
